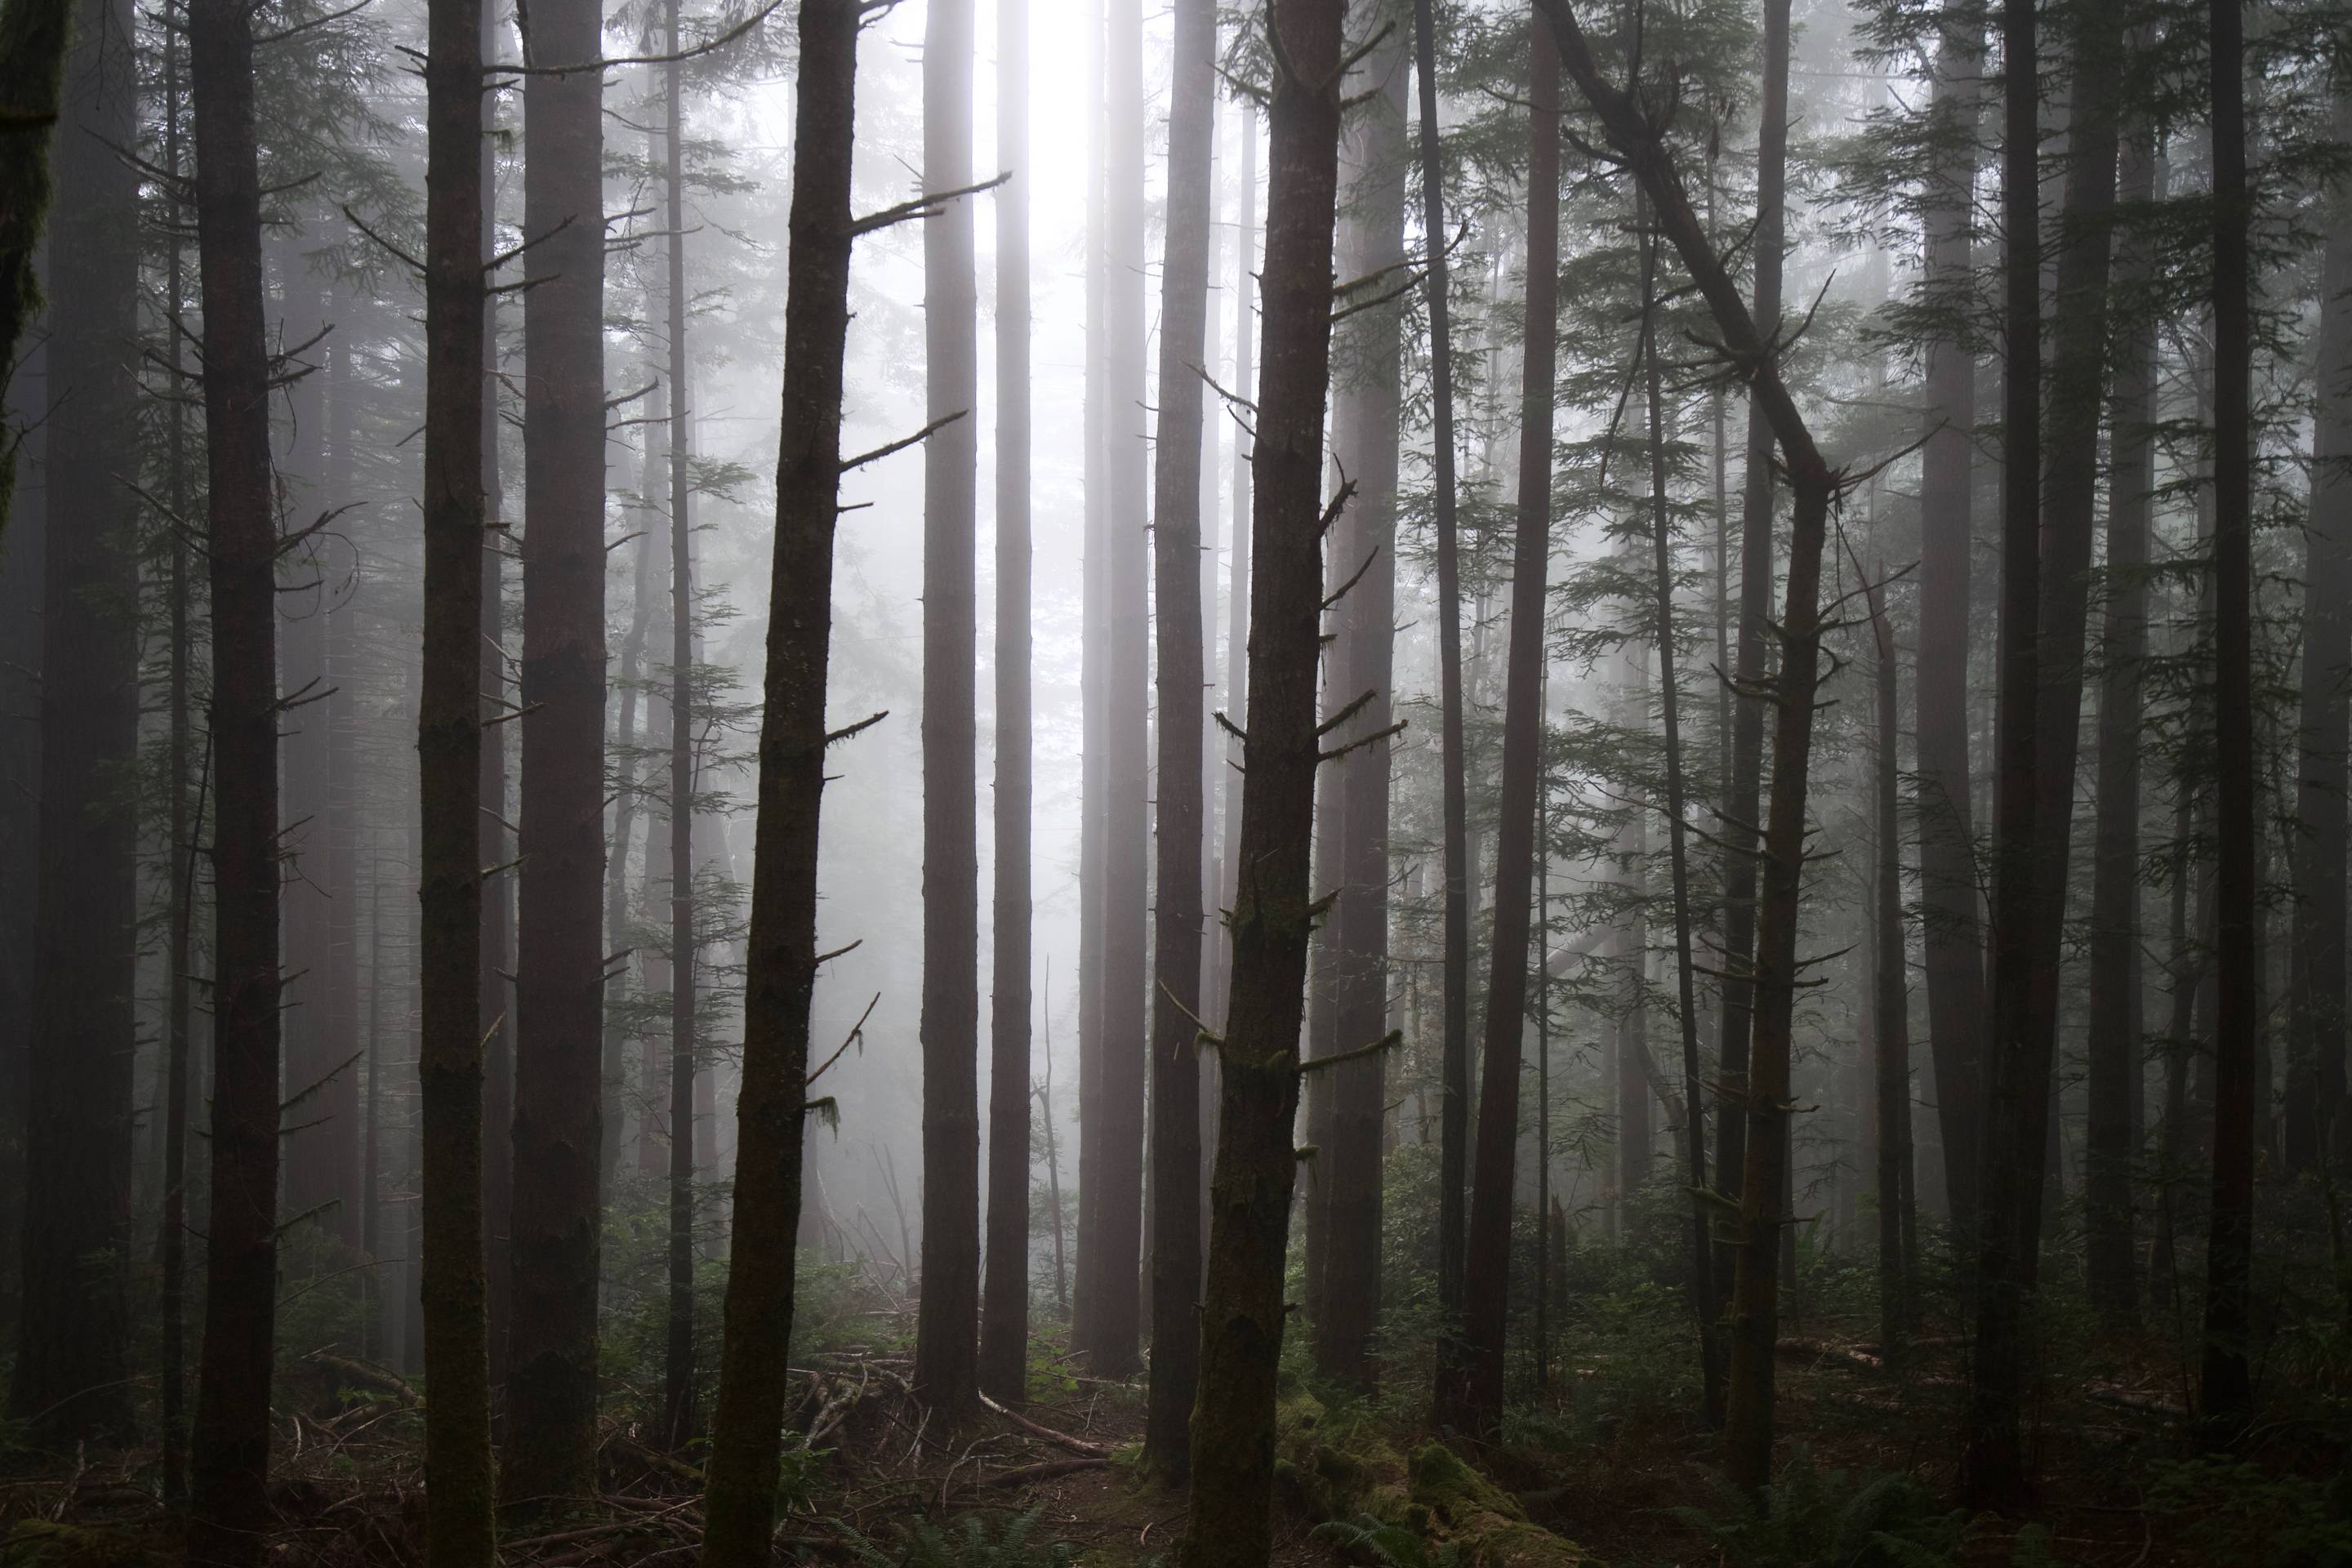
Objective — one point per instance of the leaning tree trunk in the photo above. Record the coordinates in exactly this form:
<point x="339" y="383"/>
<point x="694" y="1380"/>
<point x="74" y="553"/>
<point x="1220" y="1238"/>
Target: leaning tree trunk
<point x="1275" y="907"/>
<point x="1453" y="1119"/>
<point x="73" y="1327"/>
<point x="230" y="1444"/>
<point x="2226" y="1396"/>
<point x="450" y="738"/>
<point x="1470" y="1386"/>
<point x="1176" y="909"/>
<point x="1951" y="934"/>
<point x="946" y="1346"/>
<point x="781" y="956"/>
<point x="1004" y="1301"/>
<point x="2114" y="1048"/>
<point x="1766" y="1103"/>
<point x="550" y="1432"/>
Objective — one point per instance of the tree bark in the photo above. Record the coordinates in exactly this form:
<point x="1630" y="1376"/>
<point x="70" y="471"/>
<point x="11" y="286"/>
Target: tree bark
<point x="73" y="1324"/>
<point x="459" y="1469"/>
<point x="1890" y="1020"/>
<point x="34" y="38"/>
<point x="2226" y="1394"/>
<point x="1275" y="908"/>
<point x="1178" y="917"/>
<point x="781" y="957"/>
<point x="550" y="1444"/>
<point x="946" y="1342"/>
<point x="1094" y="809"/>
<point x="230" y="1445"/>
<point x="1004" y="1305"/>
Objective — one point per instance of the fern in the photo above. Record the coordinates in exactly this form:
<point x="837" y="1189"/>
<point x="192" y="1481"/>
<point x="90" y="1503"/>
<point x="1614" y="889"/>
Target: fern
<point x="969" y="1543"/>
<point x="1367" y="1538"/>
<point x="1815" y="1518"/>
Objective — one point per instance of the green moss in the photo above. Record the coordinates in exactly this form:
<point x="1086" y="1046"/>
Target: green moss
<point x="1483" y="1523"/>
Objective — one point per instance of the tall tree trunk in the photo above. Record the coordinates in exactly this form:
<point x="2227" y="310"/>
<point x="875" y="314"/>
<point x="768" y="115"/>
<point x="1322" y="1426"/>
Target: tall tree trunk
<point x="2226" y="1396"/>
<point x="2114" y="1045"/>
<point x="230" y="1445"/>
<point x="449" y="742"/>
<point x="551" y="1446"/>
<point x="678" y="1371"/>
<point x="1453" y="1119"/>
<point x="34" y="35"/>
<point x="781" y="959"/>
<point x="1755" y="1288"/>
<point x="1117" y="1184"/>
<point x="67" y="1384"/>
<point x="1951" y="934"/>
<point x="946" y="1342"/>
<point x="1890" y="1021"/>
<point x="1094" y="682"/>
<point x="2315" y="1076"/>
<point x="1004" y="1305"/>
<point x="1744" y="811"/>
<point x="1702" y="1287"/>
<point x="1177" y="505"/>
<point x="1365" y="441"/>
<point x="497" y="846"/>
<point x="1275" y="907"/>
<point x="1470" y="1389"/>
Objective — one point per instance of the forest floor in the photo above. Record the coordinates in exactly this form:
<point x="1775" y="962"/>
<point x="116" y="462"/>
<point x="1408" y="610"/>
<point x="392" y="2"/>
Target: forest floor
<point x="883" y="1482"/>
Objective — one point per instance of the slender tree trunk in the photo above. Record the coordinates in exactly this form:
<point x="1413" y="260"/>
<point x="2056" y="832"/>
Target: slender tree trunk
<point x="1702" y="1287"/>
<point x="497" y="846"/>
<point x="617" y="1037"/>
<point x="2225" y="1405"/>
<point x="449" y="729"/>
<point x="1890" y="1020"/>
<point x="68" y="1382"/>
<point x="1952" y="937"/>
<point x="946" y="1346"/>
<point x="1094" y="809"/>
<point x="781" y="959"/>
<point x="677" y="1373"/>
<point x="1005" y="1306"/>
<point x="2114" y="1046"/>
<point x="1453" y="1120"/>
<point x="230" y="1445"/>
<point x="1053" y="1147"/>
<point x="1470" y="1389"/>
<point x="551" y="1446"/>
<point x="34" y="35"/>
<point x="2315" y="1075"/>
<point x="1275" y="907"/>
<point x="1744" y="811"/>
<point x="1237" y="627"/>
<point x="1177" y="505"/>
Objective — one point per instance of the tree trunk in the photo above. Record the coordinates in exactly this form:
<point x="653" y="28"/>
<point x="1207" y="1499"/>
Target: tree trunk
<point x="1744" y="810"/>
<point x="1178" y="917"/>
<point x="34" y="35"/>
<point x="678" y="1371"/>
<point x="497" y="846"/>
<point x="1094" y="682"/>
<point x="946" y="1345"/>
<point x="1470" y="1390"/>
<point x="550" y="1445"/>
<point x="2226" y="1396"/>
<point x="1890" y="1021"/>
<point x="1951" y="934"/>
<point x="1275" y="907"/>
<point x="1005" y="1306"/>
<point x="1453" y="1119"/>
<point x="780" y="958"/>
<point x="1237" y="629"/>
<point x="449" y="740"/>
<point x="230" y="1445"/>
<point x="2114" y="1046"/>
<point x="67" y="1384"/>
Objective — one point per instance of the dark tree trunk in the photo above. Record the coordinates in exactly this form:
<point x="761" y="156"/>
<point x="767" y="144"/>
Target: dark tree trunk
<point x="1470" y="1390"/>
<point x="230" y="1445"/>
<point x="1744" y="811"/>
<point x="497" y="846"/>
<point x="1275" y="907"/>
<point x="1004" y="1305"/>
<point x="34" y="35"/>
<point x="1890" y="1009"/>
<point x="1177" y="913"/>
<point x="946" y="1342"/>
<point x="780" y="958"/>
<point x="1755" y="1289"/>
<point x="2112" y="1140"/>
<point x="67" y="1384"/>
<point x="1115" y="1188"/>
<point x="2226" y="1400"/>
<point x="550" y="1444"/>
<point x="459" y="1468"/>
<point x="677" y="1370"/>
<point x="1951" y="933"/>
<point x="1453" y="1120"/>
<point x="2315" y="1073"/>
